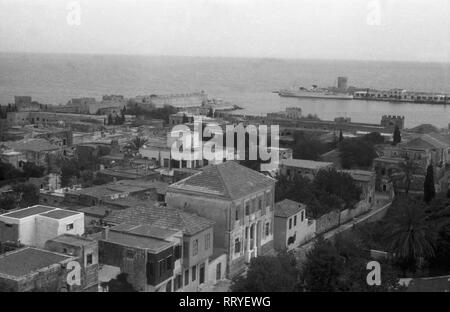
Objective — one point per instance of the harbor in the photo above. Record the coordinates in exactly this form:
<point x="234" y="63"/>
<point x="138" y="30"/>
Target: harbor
<point x="342" y="92"/>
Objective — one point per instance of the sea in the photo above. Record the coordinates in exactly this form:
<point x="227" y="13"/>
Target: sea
<point x="246" y="82"/>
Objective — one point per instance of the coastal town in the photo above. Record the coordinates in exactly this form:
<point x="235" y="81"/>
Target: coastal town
<point x="93" y="199"/>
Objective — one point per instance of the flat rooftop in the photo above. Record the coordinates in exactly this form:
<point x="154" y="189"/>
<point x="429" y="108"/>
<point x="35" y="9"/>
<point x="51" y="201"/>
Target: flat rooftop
<point x="75" y="240"/>
<point x="59" y="214"/>
<point x="27" y="212"/>
<point x="21" y="262"/>
<point x="47" y="211"/>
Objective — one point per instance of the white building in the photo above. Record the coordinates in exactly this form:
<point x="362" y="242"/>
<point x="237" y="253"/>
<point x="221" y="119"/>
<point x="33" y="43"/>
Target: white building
<point x="35" y="225"/>
<point x="292" y="228"/>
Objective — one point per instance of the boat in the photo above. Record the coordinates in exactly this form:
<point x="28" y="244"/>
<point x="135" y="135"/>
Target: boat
<point x="315" y="93"/>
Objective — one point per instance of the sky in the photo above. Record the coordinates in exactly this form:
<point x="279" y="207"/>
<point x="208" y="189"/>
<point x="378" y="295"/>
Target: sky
<point x="401" y="30"/>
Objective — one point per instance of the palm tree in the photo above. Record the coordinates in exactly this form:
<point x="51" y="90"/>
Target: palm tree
<point x="409" y="234"/>
<point x="137" y="143"/>
<point x="408" y="168"/>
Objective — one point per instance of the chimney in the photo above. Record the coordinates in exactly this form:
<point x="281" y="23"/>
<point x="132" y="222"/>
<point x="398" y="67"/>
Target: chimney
<point x="105" y="233"/>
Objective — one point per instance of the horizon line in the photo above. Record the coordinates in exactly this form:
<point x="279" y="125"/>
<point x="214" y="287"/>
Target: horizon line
<point x="277" y="58"/>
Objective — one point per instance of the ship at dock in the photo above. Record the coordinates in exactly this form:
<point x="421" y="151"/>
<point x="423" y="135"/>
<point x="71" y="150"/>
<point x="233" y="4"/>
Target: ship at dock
<point x="315" y="92"/>
<point x="342" y="92"/>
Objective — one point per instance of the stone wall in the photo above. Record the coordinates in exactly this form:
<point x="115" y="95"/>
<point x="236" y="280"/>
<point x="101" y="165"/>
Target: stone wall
<point x="327" y="221"/>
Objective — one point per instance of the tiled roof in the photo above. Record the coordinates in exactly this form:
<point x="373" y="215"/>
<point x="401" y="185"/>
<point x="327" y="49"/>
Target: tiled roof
<point x="164" y="217"/>
<point x="360" y="175"/>
<point x="430" y="140"/>
<point x="228" y="179"/>
<point x="287" y="208"/>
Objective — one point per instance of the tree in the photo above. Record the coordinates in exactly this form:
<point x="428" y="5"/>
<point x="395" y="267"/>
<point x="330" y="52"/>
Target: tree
<point x="120" y="284"/>
<point x="100" y="180"/>
<point x="340" y="184"/>
<point x="30" y="169"/>
<point x="27" y="194"/>
<point x="408" y="168"/>
<point x="428" y="186"/>
<point x="330" y="191"/>
<point x="322" y="267"/>
<point x="359" y="152"/>
<point x="69" y="170"/>
<point x="269" y="273"/>
<point x="110" y="119"/>
<point x="397" y="138"/>
<point x="410" y="236"/>
<point x="185" y="119"/>
<point x="8" y="201"/>
<point x="137" y="143"/>
<point x="9" y="172"/>
<point x="341" y="136"/>
<point x="307" y="146"/>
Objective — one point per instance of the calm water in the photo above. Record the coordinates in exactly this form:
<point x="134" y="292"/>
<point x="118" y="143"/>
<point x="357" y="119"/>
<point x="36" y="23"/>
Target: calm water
<point x="246" y="82"/>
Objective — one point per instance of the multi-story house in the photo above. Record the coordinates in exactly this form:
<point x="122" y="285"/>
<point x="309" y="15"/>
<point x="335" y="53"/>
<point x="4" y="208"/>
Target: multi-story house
<point x="292" y="227"/>
<point x="195" y="246"/>
<point x="294" y="168"/>
<point x="239" y="200"/>
<point x="86" y="252"/>
<point x="423" y="150"/>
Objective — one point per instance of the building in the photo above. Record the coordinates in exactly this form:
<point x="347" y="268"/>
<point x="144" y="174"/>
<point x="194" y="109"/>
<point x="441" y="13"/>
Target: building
<point x="85" y="251"/>
<point x="294" y="168"/>
<point x="149" y="255"/>
<point x="366" y="181"/>
<point x="239" y="200"/>
<point x="34" y="225"/>
<point x="140" y="190"/>
<point x="196" y="243"/>
<point x="423" y="150"/>
<point x="32" y="269"/>
<point x="291" y="227"/>
<point x="38" y="151"/>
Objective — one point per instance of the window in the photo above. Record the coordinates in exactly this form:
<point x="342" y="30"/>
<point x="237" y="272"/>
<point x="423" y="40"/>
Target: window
<point x="247" y="208"/>
<point x="177" y="252"/>
<point x="162" y="267"/>
<point x="290" y="223"/>
<point x="267" y="228"/>
<point x="236" y="214"/>
<point x="295" y="220"/>
<point x="89" y="259"/>
<point x="186" y="277"/>
<point x="194" y="273"/>
<point x="69" y="227"/>
<point x="207" y="240"/>
<point x="130" y="254"/>
<point x="302" y="216"/>
<point x="177" y="282"/>
<point x="202" y="274"/>
<point x="260" y="204"/>
<point x="237" y="246"/>
<point x="218" y="271"/>
<point x="169" y="263"/>
<point x="150" y="272"/>
<point x="195" y="248"/>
